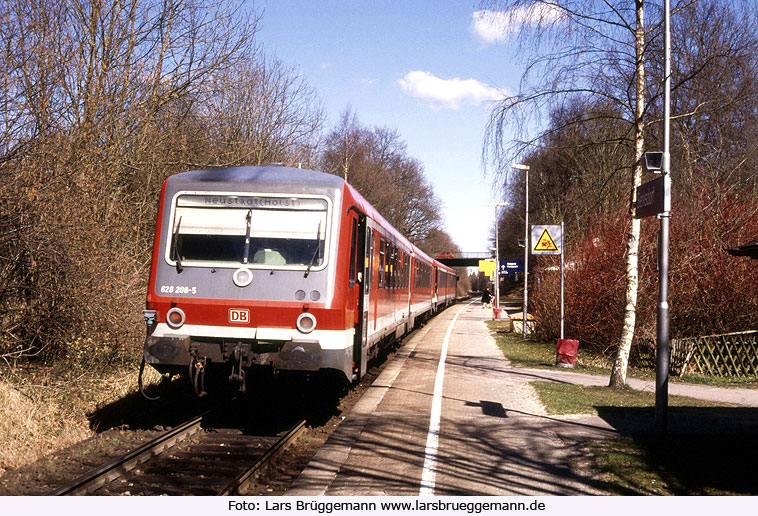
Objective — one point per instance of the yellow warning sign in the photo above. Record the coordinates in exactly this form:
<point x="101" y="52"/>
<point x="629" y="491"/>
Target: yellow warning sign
<point x="545" y="243"/>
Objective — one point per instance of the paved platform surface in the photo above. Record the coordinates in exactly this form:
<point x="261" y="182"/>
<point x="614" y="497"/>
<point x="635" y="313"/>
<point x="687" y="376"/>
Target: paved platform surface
<point x="477" y="429"/>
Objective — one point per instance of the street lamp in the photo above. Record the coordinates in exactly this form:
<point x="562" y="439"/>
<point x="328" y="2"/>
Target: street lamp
<point x="525" y="168"/>
<point x="497" y="253"/>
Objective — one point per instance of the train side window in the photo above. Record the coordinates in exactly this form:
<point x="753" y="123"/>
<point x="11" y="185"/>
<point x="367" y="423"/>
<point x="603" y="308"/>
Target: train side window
<point x="401" y="272"/>
<point x="403" y="269"/>
<point x="407" y="271"/>
<point x="381" y="263"/>
<point x="391" y="272"/>
<point x="353" y="252"/>
<point x="387" y="264"/>
<point x="394" y="266"/>
<point x="369" y="258"/>
<point x="407" y="261"/>
<point x="401" y="265"/>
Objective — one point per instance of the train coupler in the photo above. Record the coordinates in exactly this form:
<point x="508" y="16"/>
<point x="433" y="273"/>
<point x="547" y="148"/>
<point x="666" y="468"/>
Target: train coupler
<point x="197" y="372"/>
<point x="238" y="373"/>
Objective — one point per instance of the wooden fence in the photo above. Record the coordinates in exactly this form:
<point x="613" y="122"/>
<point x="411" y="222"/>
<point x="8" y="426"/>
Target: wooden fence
<point x="731" y="354"/>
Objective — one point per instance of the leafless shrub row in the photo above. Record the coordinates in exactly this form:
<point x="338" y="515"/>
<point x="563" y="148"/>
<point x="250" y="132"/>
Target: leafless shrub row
<point x="99" y="103"/>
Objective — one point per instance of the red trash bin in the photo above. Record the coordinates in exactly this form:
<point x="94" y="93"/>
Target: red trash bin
<point x="565" y="352"/>
<point x="496" y="312"/>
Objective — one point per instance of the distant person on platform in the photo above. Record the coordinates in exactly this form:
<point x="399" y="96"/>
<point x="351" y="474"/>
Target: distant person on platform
<point x="486" y="298"/>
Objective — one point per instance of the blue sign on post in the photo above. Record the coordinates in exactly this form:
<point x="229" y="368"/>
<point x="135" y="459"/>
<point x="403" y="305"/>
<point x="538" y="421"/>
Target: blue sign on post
<point x="508" y="267"/>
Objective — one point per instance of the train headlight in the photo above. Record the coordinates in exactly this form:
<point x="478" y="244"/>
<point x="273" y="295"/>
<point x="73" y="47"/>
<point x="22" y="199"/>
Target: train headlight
<point x="242" y="277"/>
<point x="306" y="323"/>
<point x="175" y="318"/>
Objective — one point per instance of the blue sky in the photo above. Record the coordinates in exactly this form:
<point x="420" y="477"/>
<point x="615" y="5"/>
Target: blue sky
<point x="423" y="67"/>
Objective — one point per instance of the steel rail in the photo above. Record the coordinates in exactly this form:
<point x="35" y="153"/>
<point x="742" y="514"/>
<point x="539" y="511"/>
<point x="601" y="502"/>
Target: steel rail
<point x="101" y="475"/>
<point x="273" y="452"/>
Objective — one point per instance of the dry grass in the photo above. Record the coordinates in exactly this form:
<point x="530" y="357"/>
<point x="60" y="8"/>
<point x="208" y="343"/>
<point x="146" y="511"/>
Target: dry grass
<point x="44" y="408"/>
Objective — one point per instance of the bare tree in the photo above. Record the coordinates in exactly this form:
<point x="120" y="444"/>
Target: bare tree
<point x="343" y="143"/>
<point x="377" y="164"/>
<point x="438" y="241"/>
<point x="261" y="111"/>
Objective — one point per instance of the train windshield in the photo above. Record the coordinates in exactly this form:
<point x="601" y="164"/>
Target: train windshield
<point x="257" y="231"/>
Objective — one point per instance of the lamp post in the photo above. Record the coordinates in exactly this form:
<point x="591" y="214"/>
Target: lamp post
<point x="497" y="252"/>
<point x="525" y="168"/>
<point x="662" y="333"/>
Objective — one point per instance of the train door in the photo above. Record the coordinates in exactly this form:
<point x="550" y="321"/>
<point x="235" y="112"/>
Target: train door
<point x="361" y="245"/>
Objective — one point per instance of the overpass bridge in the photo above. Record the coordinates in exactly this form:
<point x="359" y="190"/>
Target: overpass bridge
<point x="463" y="259"/>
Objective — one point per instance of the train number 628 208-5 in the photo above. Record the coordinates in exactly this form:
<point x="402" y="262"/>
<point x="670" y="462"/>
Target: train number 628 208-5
<point x="171" y="289"/>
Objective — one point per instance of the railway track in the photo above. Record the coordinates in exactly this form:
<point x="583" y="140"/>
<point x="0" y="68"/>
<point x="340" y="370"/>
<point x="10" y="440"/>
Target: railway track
<point x="191" y="460"/>
<point x="187" y="460"/>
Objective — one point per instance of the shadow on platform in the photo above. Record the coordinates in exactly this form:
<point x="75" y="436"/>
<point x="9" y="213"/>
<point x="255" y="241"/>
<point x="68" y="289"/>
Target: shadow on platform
<point x="705" y="451"/>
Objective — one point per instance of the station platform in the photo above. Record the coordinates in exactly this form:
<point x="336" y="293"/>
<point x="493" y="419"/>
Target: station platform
<point x="448" y="417"/>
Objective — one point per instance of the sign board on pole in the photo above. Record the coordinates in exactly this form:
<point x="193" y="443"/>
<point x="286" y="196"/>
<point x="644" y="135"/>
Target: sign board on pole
<point x="487" y="267"/>
<point x="650" y="198"/>
<point x="508" y="267"/>
<point x="547" y="239"/>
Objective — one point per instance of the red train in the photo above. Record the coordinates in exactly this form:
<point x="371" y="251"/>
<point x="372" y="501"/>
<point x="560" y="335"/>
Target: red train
<point x="279" y="267"/>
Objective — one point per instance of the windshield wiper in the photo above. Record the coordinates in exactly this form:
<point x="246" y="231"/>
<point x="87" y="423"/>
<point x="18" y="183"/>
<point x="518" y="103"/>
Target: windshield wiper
<point x="246" y="254"/>
<point x="316" y="252"/>
<point x="175" y="246"/>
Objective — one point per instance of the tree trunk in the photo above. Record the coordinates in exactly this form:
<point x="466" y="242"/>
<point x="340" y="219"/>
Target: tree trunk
<point x="618" y="374"/>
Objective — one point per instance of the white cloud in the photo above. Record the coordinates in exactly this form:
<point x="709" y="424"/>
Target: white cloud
<point x="447" y="93"/>
<point x="498" y="26"/>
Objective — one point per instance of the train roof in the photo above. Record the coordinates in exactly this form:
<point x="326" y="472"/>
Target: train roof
<point x="278" y="178"/>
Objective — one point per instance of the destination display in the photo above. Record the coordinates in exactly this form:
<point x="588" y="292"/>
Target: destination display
<point x="240" y="201"/>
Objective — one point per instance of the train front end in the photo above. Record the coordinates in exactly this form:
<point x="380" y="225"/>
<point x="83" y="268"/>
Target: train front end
<point x="243" y="275"/>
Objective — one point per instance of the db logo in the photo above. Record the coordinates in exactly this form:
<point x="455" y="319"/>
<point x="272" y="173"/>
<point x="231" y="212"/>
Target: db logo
<point x="239" y="316"/>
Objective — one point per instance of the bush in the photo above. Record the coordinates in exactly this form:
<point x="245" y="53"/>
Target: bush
<point x="594" y="288"/>
<point x="710" y="291"/>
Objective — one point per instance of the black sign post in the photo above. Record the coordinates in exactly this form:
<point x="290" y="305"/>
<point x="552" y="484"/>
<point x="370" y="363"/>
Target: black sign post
<point x="650" y="197"/>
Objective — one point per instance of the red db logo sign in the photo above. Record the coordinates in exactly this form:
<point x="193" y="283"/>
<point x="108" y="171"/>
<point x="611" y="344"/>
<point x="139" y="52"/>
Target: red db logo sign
<point x="239" y="316"/>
